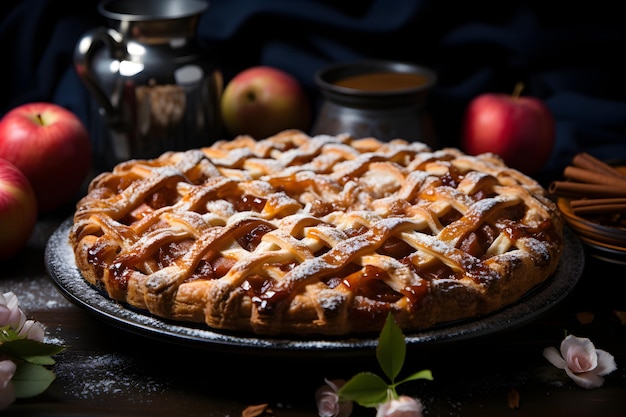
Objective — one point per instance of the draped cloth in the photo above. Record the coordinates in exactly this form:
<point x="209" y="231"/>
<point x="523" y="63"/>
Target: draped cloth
<point x="568" y="56"/>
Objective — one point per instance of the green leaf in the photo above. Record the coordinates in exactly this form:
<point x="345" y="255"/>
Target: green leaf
<point x="391" y="348"/>
<point x="424" y="374"/>
<point x="365" y="388"/>
<point x="40" y="360"/>
<point x="31" y="350"/>
<point x="31" y="380"/>
<point x="7" y="334"/>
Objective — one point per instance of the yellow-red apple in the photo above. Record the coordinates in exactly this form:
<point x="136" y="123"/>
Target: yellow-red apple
<point x="261" y="101"/>
<point x="18" y="209"/>
<point x="51" y="146"/>
<point x="518" y="129"/>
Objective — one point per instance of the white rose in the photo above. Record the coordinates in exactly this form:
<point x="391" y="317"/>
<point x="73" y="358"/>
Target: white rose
<point x="582" y="362"/>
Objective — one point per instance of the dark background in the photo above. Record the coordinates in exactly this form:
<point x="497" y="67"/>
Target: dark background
<point x="568" y="54"/>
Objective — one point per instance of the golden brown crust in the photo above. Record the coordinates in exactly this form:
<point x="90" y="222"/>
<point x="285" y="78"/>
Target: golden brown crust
<point x="323" y="235"/>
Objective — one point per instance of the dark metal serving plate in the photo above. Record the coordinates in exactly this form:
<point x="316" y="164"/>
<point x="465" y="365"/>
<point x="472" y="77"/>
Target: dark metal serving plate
<point x="61" y="266"/>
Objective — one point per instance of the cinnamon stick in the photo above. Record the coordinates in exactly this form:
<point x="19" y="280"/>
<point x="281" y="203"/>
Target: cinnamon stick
<point x="598" y="206"/>
<point x="587" y="161"/>
<point x="577" y="189"/>
<point x="587" y="175"/>
<point x="600" y="209"/>
<point x="596" y="201"/>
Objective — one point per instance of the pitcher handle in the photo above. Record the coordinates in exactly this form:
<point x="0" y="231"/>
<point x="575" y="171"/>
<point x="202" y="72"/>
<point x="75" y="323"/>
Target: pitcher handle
<point x="83" y="54"/>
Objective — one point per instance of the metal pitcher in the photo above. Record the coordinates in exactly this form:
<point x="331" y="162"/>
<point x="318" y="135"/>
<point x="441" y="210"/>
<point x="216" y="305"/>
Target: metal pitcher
<point x="154" y="87"/>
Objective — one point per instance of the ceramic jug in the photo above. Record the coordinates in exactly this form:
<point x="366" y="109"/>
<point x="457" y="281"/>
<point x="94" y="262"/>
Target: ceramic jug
<point x="154" y="88"/>
<point x="383" y="99"/>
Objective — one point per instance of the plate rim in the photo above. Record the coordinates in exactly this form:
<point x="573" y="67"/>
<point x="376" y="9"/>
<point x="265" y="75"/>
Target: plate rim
<point x="81" y="293"/>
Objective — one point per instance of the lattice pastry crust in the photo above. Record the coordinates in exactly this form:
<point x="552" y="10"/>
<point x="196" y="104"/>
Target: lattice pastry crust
<point x="316" y="235"/>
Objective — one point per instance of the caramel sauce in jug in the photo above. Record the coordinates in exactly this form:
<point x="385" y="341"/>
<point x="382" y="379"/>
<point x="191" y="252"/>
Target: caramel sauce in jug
<point x="382" y="81"/>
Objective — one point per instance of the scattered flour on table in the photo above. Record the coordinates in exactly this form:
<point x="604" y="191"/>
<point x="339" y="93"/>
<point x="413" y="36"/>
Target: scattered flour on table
<point x="93" y="376"/>
<point x="34" y="293"/>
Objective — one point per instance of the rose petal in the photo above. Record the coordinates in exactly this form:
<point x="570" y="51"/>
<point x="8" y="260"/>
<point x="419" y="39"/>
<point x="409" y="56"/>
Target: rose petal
<point x="7" y="370"/>
<point x="5" y="313"/>
<point x="32" y="330"/>
<point x="586" y="379"/>
<point x="7" y="391"/>
<point x="606" y="362"/>
<point x="7" y="396"/>
<point x="553" y="355"/>
<point x="10" y="300"/>
<point x="12" y="316"/>
<point x="335" y="384"/>
<point x="404" y="406"/>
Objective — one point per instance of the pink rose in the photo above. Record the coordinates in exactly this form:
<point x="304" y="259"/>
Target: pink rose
<point x="10" y="313"/>
<point x="327" y="399"/>
<point x="403" y="406"/>
<point x="12" y="316"/>
<point x="581" y="361"/>
<point x="7" y="391"/>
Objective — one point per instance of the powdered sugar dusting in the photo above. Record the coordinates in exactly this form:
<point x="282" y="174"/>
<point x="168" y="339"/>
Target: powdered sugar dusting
<point x="88" y="377"/>
<point x="35" y="293"/>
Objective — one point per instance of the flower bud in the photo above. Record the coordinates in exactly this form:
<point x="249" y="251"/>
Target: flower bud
<point x="328" y="403"/>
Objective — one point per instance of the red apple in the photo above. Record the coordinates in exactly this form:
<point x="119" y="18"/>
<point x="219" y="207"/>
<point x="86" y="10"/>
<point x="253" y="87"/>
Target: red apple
<point x="518" y="129"/>
<point x="261" y="101"/>
<point x="51" y="146"/>
<point x="18" y="209"/>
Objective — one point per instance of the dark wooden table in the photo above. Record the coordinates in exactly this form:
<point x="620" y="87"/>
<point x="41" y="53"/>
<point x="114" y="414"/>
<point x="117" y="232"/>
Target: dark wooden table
<point x="108" y="371"/>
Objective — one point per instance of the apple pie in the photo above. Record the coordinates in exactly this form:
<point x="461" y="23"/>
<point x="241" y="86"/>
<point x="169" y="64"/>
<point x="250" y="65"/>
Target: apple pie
<point x="323" y="235"/>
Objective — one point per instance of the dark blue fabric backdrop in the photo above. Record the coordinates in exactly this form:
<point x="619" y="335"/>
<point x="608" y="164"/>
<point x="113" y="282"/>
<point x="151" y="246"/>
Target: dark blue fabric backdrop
<point x="569" y="56"/>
